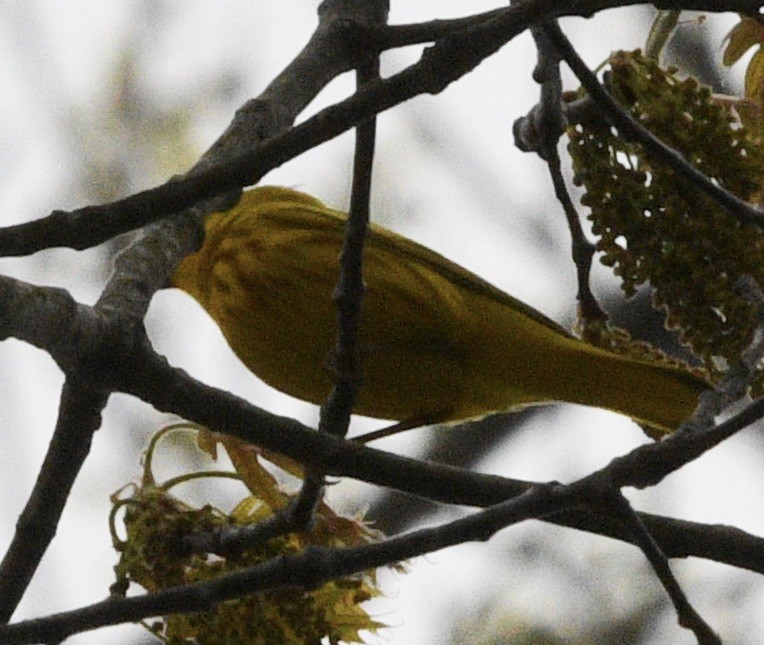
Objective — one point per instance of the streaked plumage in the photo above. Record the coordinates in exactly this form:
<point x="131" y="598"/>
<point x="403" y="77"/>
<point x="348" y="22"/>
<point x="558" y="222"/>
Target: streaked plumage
<point x="436" y="341"/>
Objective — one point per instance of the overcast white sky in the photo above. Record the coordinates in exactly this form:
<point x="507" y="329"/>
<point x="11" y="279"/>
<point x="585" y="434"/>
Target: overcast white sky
<point x="448" y="175"/>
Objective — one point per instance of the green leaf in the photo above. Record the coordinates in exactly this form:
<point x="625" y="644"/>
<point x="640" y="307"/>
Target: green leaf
<point x="746" y="34"/>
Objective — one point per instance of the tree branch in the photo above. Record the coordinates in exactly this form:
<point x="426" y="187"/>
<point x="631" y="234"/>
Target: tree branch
<point x="540" y="131"/>
<point x="345" y="361"/>
<point x="79" y="417"/>
<point x="309" y="569"/>
<point x="632" y="130"/>
<point x="148" y="376"/>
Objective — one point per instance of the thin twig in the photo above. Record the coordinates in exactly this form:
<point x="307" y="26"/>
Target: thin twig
<point x="150" y="378"/>
<point x="451" y="58"/>
<point x="136" y="369"/>
<point x="686" y="613"/>
<point x="348" y="295"/>
<point x="345" y="362"/>
<point x="651" y="463"/>
<point x="440" y="65"/>
<point x="142" y="269"/>
<point x="309" y="569"/>
<point x="540" y="131"/>
<point x="634" y="131"/>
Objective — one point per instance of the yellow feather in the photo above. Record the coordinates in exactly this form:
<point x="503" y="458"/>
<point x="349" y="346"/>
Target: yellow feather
<point x="437" y="343"/>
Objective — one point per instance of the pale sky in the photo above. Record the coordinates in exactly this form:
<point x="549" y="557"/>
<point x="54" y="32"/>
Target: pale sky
<point x="471" y="195"/>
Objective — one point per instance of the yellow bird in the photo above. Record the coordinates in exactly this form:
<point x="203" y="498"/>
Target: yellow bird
<point x="437" y="343"/>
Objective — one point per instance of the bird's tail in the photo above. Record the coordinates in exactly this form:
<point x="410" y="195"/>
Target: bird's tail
<point x="660" y="397"/>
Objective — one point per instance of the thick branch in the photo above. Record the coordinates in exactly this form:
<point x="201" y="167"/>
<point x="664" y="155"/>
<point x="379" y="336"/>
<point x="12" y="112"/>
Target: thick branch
<point x="144" y="374"/>
<point x="309" y="569"/>
<point x="453" y="56"/>
<point x="79" y="417"/>
<point x="145" y="266"/>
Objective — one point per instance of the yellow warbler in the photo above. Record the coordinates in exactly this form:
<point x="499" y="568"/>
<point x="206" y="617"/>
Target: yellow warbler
<point x="437" y="343"/>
